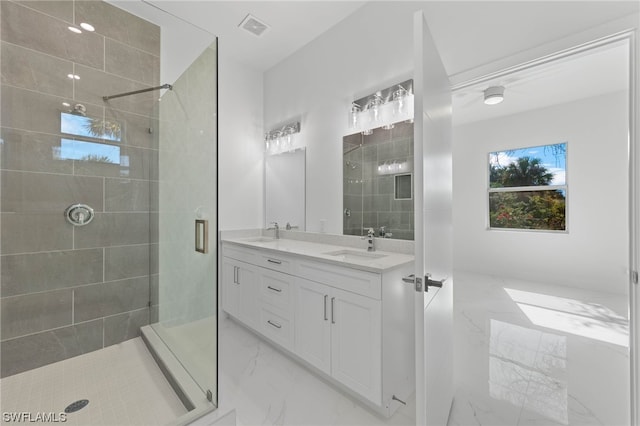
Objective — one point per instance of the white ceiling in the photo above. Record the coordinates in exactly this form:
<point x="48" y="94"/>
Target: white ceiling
<point x="468" y="33"/>
<point x="592" y="73"/>
<point x="292" y="25"/>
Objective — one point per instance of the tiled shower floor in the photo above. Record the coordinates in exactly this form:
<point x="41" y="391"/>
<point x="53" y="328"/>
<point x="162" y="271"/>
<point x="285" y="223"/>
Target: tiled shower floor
<point x="122" y="382"/>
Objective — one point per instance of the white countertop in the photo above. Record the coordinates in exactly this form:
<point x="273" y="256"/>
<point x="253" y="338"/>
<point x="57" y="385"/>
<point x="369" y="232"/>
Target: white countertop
<point x="356" y="258"/>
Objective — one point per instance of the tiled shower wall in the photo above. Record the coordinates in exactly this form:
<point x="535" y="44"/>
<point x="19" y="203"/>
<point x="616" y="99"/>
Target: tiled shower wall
<point x="69" y="290"/>
<point x="368" y="186"/>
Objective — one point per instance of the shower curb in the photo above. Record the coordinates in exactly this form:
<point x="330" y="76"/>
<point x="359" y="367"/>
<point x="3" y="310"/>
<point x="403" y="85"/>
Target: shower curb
<point x="183" y="385"/>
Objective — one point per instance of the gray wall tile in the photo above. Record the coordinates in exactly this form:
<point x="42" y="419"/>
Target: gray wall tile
<point x="62" y="9"/>
<point x="32" y="70"/>
<point x="126" y="262"/>
<point x="132" y="63"/>
<point x="38" y="261"/>
<point x="119" y="25"/>
<point x="135" y="163"/>
<point x="402" y="131"/>
<point x="379" y="135"/>
<point x="25" y="353"/>
<point x="43" y="192"/>
<point x="34" y="232"/>
<point x="30" y="151"/>
<point x="50" y="36"/>
<point x="94" y="84"/>
<point x="30" y="273"/>
<point x="110" y="298"/>
<point x="32" y="313"/>
<point x="113" y="229"/>
<point x="135" y="128"/>
<point x="122" y="195"/>
<point x="26" y="110"/>
<point x="123" y="327"/>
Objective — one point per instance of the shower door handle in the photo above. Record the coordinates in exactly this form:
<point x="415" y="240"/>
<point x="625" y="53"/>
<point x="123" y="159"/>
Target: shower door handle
<point x="202" y="236"/>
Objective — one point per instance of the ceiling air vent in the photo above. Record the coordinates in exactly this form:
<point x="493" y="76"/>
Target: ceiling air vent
<point x="253" y="25"/>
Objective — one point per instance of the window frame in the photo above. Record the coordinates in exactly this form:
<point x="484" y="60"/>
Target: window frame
<point x="532" y="188"/>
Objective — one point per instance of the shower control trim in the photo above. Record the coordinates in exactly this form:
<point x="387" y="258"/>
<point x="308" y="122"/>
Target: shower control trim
<point x="79" y="214"/>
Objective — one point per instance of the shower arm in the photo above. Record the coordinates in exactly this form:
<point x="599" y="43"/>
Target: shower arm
<point x="135" y="92"/>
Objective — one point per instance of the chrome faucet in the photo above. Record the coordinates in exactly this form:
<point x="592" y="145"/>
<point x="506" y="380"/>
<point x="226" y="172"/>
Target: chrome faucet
<point x="382" y="232"/>
<point x="276" y="229"/>
<point x="370" y="239"/>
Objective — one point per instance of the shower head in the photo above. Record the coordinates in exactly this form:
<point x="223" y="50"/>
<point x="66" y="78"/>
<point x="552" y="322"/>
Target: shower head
<point x="79" y="109"/>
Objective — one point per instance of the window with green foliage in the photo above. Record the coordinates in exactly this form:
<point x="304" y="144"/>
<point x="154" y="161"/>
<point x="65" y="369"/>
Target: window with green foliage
<point x="528" y="188"/>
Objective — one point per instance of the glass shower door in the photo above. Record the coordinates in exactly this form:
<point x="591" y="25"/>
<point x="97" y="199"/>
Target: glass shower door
<point x="184" y="291"/>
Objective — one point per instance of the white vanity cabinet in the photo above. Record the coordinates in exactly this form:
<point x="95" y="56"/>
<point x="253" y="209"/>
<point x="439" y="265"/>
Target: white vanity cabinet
<point x="353" y="326"/>
<point x="339" y="332"/>
<point x="239" y="285"/>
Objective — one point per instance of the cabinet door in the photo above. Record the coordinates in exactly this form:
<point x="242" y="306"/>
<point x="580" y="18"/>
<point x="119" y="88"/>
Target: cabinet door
<point x="312" y="324"/>
<point x="356" y="358"/>
<point x="230" y="287"/>
<point x="247" y="278"/>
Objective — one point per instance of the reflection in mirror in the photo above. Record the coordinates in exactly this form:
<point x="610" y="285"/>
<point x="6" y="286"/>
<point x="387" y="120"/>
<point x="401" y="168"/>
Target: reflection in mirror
<point x="285" y="189"/>
<point x="378" y="182"/>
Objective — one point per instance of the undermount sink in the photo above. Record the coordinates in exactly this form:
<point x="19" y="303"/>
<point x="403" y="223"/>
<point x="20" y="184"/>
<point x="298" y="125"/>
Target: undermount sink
<point x="261" y="240"/>
<point x="355" y="255"/>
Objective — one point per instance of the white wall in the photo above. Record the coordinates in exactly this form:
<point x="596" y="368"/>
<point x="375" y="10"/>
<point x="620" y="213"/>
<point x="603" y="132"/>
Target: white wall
<point x="594" y="251"/>
<point x="367" y="51"/>
<point x="240" y="145"/>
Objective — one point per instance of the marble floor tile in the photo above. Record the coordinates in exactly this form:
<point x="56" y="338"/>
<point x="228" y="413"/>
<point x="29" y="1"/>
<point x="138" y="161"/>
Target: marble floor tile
<point x="266" y="387"/>
<point x="528" y="353"/>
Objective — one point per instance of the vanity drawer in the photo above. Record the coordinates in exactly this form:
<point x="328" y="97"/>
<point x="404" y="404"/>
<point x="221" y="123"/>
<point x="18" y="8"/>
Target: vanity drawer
<point x="276" y="289"/>
<point x="360" y="282"/>
<point x="240" y="253"/>
<point x="276" y="327"/>
<point x="275" y="261"/>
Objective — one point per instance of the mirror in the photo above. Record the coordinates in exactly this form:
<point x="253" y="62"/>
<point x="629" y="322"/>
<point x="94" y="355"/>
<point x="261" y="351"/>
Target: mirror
<point x="285" y="189"/>
<point x="378" y="182"/>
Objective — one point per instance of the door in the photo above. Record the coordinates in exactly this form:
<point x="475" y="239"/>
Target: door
<point x="356" y="334"/>
<point x="312" y="325"/>
<point x="433" y="236"/>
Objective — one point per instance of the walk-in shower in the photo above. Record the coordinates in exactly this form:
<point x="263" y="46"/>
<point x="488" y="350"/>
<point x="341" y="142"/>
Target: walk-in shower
<point x="104" y="174"/>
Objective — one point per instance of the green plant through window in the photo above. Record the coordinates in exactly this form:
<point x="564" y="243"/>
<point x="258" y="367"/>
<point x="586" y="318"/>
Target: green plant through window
<point x="528" y="189"/>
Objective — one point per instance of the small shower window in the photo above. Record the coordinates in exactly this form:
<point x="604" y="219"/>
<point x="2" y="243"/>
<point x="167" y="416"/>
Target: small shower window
<point x="91" y="127"/>
<point x="88" y="151"/>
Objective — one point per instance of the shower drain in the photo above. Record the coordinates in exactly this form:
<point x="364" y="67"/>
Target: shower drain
<point x="75" y="406"/>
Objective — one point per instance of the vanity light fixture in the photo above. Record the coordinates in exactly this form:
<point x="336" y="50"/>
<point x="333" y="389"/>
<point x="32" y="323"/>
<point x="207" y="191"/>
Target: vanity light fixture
<point x="383" y="108"/>
<point x="281" y="139"/>
<point x="494" y="95"/>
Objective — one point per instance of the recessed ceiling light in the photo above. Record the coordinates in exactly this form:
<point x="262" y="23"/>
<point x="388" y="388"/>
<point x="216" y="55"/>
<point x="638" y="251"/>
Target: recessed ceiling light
<point x="87" y="27"/>
<point x="494" y="95"/>
<point x="75" y="30"/>
<point x="73" y="76"/>
<point x="253" y="25"/>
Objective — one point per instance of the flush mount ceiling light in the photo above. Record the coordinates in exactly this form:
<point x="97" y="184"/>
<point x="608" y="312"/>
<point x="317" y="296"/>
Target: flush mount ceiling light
<point x="494" y="95"/>
<point x="75" y="30"/>
<point x="253" y="25"/>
